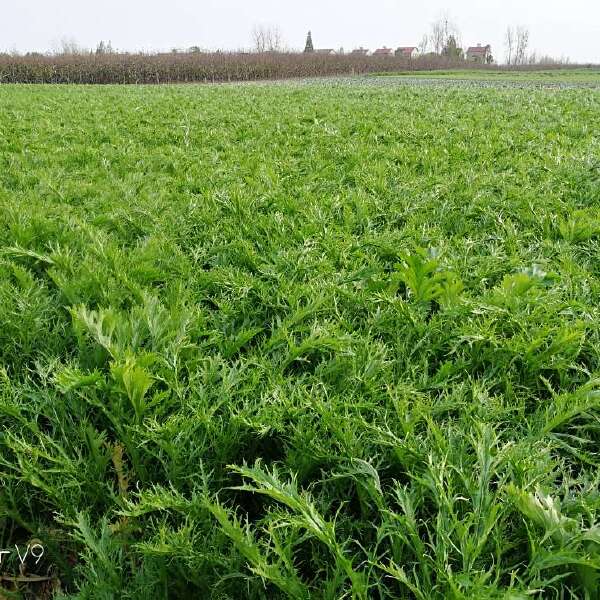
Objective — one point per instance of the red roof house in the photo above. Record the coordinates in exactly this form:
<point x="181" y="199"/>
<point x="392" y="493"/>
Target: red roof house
<point x="407" y="51"/>
<point x="479" y="53"/>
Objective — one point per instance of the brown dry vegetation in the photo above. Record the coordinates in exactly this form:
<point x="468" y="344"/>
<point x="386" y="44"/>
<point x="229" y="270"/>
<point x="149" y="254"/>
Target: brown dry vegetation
<point x="201" y="67"/>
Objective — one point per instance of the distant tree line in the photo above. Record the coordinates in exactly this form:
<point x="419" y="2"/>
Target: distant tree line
<point x="267" y="39"/>
<point x="442" y="40"/>
<point x="269" y="58"/>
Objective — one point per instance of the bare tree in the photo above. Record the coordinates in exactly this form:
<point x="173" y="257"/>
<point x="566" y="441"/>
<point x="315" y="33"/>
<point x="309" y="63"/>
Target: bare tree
<point x="267" y="38"/>
<point x="516" y="40"/>
<point x="438" y="36"/>
<point x="259" y="39"/>
<point x="544" y="60"/>
<point x="522" y="34"/>
<point x="67" y="46"/>
<point x="509" y="42"/>
<point x="441" y="31"/>
<point x="424" y="44"/>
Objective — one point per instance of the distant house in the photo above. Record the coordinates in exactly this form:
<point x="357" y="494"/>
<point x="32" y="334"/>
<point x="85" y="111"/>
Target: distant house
<point x="360" y="52"/>
<point x="407" y="51"/>
<point x="329" y="51"/>
<point x="479" y="54"/>
<point x="383" y="52"/>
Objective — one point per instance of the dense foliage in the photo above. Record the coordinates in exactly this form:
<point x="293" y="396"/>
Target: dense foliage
<point x="300" y="341"/>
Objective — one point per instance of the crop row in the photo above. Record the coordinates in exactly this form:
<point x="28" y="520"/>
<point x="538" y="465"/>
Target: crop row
<point x="198" y="67"/>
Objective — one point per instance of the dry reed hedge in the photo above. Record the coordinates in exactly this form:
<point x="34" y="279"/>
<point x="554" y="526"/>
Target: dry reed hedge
<point x="204" y="67"/>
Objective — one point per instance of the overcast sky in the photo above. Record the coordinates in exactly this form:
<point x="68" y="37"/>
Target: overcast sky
<point x="558" y="27"/>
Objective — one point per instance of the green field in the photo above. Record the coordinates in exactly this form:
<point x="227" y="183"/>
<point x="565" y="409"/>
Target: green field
<point x="300" y="341"/>
<point x="587" y="76"/>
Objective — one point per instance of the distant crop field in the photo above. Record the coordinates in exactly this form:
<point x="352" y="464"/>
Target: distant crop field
<point x="299" y="341"/>
<point x="587" y="76"/>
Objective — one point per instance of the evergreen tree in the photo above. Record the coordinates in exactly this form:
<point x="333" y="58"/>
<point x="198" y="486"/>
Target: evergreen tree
<point x="309" y="44"/>
<point x="451" y="49"/>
